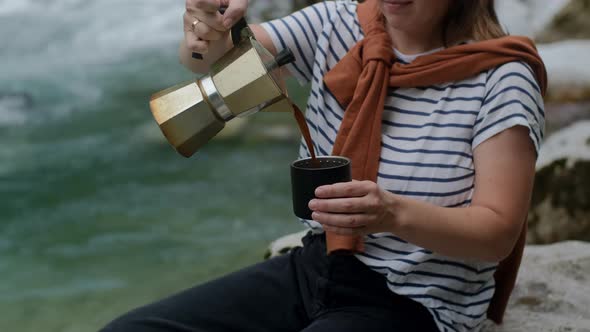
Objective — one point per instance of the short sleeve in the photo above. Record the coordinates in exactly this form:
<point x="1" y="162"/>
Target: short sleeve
<point x="513" y="98"/>
<point x="300" y="32"/>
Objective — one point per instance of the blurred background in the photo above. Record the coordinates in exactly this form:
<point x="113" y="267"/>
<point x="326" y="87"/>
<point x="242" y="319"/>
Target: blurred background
<point x="99" y="215"/>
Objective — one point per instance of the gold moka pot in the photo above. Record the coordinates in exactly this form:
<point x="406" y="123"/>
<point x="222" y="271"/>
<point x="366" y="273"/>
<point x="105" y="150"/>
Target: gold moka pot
<point x="242" y="82"/>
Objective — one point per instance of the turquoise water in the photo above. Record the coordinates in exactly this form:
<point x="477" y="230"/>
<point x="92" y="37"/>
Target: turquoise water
<point x="97" y="213"/>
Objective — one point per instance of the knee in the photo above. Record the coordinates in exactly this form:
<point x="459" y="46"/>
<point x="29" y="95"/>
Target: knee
<point x="118" y="325"/>
<point x="125" y="323"/>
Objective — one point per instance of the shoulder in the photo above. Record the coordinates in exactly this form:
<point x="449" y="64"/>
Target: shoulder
<point x="345" y="11"/>
<point x="339" y="6"/>
<point x="512" y="97"/>
<point x="348" y="6"/>
<point x="337" y="11"/>
<point x="330" y="13"/>
<point x="514" y="73"/>
<point x="343" y="26"/>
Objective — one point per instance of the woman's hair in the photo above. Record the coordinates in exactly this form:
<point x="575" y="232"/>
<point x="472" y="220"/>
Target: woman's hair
<point x="471" y="20"/>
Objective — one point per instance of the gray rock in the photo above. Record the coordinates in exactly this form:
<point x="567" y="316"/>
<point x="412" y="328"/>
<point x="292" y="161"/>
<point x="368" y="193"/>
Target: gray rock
<point x="562" y="29"/>
<point x="546" y="21"/>
<point x="571" y="22"/>
<point x="560" y="208"/>
<point x="568" y="80"/>
<point x="528" y="17"/>
<point x="285" y="243"/>
<point x="552" y="292"/>
<point x="559" y="116"/>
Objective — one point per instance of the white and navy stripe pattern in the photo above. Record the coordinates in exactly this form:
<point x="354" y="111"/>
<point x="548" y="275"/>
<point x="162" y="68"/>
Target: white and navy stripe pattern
<point x="429" y="134"/>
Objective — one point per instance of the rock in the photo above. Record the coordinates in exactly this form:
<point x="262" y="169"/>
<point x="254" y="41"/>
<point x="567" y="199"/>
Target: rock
<point x="545" y="21"/>
<point x="283" y="244"/>
<point x="560" y="207"/>
<point x="571" y="143"/>
<point x="559" y="116"/>
<point x="568" y="80"/>
<point x="561" y="29"/>
<point x="551" y="292"/>
<point x="572" y="22"/>
<point x="528" y="17"/>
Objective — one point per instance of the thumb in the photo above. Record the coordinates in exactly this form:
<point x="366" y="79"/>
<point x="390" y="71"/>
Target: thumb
<point x="235" y="11"/>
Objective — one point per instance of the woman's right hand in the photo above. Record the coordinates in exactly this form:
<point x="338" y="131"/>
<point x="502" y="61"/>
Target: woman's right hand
<point x="205" y="29"/>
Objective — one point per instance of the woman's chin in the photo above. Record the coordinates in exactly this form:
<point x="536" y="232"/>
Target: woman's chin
<point x="396" y="7"/>
<point x="399" y="22"/>
<point x="396" y="15"/>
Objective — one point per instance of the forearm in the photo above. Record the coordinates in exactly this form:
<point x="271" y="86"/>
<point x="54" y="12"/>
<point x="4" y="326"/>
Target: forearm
<point x="474" y="232"/>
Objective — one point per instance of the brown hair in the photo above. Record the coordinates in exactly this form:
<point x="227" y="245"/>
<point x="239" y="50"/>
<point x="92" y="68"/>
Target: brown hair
<point x="471" y="19"/>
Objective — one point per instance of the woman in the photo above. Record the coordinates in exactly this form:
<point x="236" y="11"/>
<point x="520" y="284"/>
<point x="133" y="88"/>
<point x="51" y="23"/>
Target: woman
<point x="442" y="116"/>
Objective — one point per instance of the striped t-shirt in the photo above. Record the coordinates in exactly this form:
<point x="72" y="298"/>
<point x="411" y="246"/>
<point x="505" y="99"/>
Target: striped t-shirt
<point x="429" y="134"/>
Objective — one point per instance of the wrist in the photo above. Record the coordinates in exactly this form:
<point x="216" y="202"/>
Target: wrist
<point x="395" y="215"/>
<point x="406" y="210"/>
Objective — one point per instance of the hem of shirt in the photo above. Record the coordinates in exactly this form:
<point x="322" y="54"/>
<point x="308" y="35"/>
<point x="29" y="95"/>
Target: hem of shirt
<point x="504" y="126"/>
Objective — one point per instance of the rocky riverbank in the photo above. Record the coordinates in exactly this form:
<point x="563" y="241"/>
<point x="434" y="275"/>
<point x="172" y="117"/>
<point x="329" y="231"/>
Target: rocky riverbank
<point x="560" y="208"/>
<point x="551" y="292"/>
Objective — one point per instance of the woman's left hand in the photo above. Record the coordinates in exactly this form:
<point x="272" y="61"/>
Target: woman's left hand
<point x="354" y="208"/>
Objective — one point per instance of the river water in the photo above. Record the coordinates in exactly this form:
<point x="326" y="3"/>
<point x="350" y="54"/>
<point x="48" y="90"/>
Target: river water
<point x="97" y="213"/>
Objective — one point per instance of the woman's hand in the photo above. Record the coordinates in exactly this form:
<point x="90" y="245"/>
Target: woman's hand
<point x="204" y="25"/>
<point x="354" y="208"/>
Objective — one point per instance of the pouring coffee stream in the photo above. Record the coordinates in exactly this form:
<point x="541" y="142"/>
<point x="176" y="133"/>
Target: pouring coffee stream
<point x="303" y="128"/>
<point x="244" y="81"/>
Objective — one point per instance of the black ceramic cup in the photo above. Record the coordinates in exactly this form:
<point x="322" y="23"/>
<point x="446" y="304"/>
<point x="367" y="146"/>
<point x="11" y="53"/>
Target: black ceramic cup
<point x="307" y="175"/>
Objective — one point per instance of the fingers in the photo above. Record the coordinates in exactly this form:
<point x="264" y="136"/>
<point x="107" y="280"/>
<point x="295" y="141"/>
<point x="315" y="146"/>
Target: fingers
<point x="345" y="231"/>
<point x="344" y="189"/>
<point x="201" y="29"/>
<point x="210" y="6"/>
<point x="206" y="11"/>
<point x="203" y="23"/>
<point x="235" y="11"/>
<point x="195" y="44"/>
<point x="354" y="208"/>
<point x="342" y="205"/>
<point x="208" y="27"/>
<point x="355" y="220"/>
<point x="212" y="20"/>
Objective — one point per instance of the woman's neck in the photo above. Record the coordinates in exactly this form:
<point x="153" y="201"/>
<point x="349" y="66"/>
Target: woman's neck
<point x="414" y="42"/>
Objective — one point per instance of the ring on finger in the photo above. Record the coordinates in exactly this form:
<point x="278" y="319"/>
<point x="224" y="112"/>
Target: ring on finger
<point x="195" y="23"/>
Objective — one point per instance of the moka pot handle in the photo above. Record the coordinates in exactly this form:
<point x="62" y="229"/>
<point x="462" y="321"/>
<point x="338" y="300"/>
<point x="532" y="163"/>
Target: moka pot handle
<point x="236" y="32"/>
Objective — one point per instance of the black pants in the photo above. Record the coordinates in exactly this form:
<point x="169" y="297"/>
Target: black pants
<point x="305" y="290"/>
